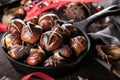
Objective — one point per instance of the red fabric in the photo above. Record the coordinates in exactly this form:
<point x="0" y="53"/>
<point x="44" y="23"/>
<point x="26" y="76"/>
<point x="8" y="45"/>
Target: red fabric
<point x="38" y="74"/>
<point x="3" y="27"/>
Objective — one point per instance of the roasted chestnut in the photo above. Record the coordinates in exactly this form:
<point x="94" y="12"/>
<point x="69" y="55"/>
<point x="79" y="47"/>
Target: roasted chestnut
<point x="36" y="56"/>
<point x="78" y="44"/>
<point x="31" y="33"/>
<point x="15" y="26"/>
<point x="47" y="21"/>
<point x="19" y="51"/>
<point x="71" y="28"/>
<point x="59" y="57"/>
<point x="63" y="52"/>
<point x="62" y="30"/>
<point x="51" y="40"/>
<point x="11" y="40"/>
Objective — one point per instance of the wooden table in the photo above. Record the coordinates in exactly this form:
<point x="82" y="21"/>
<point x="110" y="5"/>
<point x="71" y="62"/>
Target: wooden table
<point x="89" y="70"/>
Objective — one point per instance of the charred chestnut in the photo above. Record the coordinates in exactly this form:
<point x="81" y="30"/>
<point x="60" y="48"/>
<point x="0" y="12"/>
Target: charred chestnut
<point x="61" y="30"/>
<point x="36" y="56"/>
<point x="50" y="40"/>
<point x="71" y="28"/>
<point x="78" y="44"/>
<point x="63" y="52"/>
<point x="59" y="57"/>
<point x="15" y="26"/>
<point x="47" y="21"/>
<point x="18" y="52"/>
<point x="11" y="40"/>
<point x="31" y="33"/>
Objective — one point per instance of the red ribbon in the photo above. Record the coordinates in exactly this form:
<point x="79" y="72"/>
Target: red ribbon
<point x="38" y="74"/>
<point x="3" y="27"/>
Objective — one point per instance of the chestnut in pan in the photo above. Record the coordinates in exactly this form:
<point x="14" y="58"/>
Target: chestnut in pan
<point x="15" y="26"/>
<point x="31" y="33"/>
<point x="11" y="40"/>
<point x="78" y="44"/>
<point x="59" y="57"/>
<point x="47" y="21"/>
<point x="19" y="52"/>
<point x="36" y="56"/>
<point x="50" y="40"/>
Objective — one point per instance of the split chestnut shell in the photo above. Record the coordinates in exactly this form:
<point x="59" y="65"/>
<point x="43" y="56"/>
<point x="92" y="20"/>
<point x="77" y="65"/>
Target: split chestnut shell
<point x="50" y="40"/>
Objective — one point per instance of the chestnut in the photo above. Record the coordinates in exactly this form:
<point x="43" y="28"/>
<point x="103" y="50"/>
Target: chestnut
<point x="71" y="28"/>
<point x="15" y="26"/>
<point x="61" y="30"/>
<point x="18" y="52"/>
<point x="62" y="55"/>
<point x="36" y="56"/>
<point x="11" y="40"/>
<point x="59" y="57"/>
<point x="47" y="21"/>
<point x="63" y="52"/>
<point x="50" y="40"/>
<point x="78" y="44"/>
<point x="31" y="33"/>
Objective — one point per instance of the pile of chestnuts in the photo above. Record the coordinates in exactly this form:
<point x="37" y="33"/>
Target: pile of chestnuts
<point x="43" y="41"/>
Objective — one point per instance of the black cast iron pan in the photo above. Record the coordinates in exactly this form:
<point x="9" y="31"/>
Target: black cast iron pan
<point x="67" y="68"/>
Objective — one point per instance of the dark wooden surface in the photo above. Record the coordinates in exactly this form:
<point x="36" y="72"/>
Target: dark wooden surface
<point x="88" y="70"/>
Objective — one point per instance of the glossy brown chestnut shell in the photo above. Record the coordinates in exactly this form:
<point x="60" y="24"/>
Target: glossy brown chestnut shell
<point x="71" y="28"/>
<point x="78" y="44"/>
<point x="47" y="21"/>
<point x="61" y="30"/>
<point x="36" y="56"/>
<point x="59" y="57"/>
<point x="50" y="40"/>
<point x="18" y="52"/>
<point x="63" y="52"/>
<point x="31" y="33"/>
<point x="11" y="40"/>
<point x="15" y="26"/>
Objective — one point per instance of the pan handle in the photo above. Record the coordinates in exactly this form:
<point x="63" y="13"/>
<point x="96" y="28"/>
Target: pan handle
<point x="114" y="9"/>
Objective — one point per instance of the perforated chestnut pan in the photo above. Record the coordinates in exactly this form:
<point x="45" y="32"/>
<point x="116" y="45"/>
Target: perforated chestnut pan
<point x="66" y="68"/>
